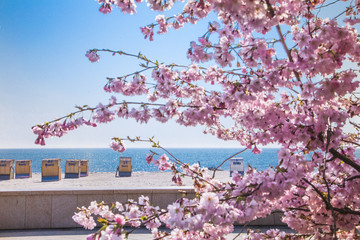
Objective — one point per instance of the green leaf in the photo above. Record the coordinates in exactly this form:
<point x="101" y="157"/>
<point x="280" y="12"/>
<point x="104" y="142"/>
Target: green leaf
<point x="144" y="218"/>
<point x="101" y="220"/>
<point x="240" y="198"/>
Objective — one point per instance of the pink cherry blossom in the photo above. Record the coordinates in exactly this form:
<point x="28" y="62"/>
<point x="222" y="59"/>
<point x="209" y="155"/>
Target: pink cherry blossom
<point x="92" y="56"/>
<point x="148" y="32"/>
<point x="117" y="146"/>
<point x="119" y="219"/>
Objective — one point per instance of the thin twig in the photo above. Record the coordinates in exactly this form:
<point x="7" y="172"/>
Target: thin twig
<point x="242" y="229"/>
<point x="347" y="141"/>
<point x="322" y="5"/>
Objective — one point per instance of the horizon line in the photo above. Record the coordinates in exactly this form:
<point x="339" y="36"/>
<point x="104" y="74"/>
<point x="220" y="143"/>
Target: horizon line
<point x="197" y="147"/>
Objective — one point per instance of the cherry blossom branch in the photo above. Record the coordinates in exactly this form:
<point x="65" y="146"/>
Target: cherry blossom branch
<point x="345" y="159"/>
<point x="156" y="64"/>
<point x="282" y="40"/>
<point x="327" y="204"/>
<point x="347" y="211"/>
<point x="85" y="109"/>
<point x="82" y="109"/>
<point x="139" y="56"/>
<point x="329" y="133"/>
<point x="354" y="124"/>
<point x="247" y="194"/>
<point x="329" y="4"/>
<point x="353" y="178"/>
<point x="288" y="53"/>
<point x="298" y="209"/>
<point x="352" y="142"/>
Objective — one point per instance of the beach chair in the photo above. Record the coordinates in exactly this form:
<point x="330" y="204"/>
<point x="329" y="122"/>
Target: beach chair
<point x="72" y="168"/>
<point x="50" y="170"/>
<point x="23" y="169"/>
<point x="124" y="169"/>
<point x="236" y="165"/>
<point x="7" y="169"/>
<point x="84" y="168"/>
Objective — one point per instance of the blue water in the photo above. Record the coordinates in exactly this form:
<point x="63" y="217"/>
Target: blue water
<point x="106" y="160"/>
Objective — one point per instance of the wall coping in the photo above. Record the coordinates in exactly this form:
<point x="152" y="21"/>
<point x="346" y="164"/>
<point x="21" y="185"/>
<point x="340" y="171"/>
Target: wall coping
<point x="18" y="192"/>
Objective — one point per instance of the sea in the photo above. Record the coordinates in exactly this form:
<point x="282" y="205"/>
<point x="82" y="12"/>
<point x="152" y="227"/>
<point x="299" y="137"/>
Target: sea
<point x="106" y="160"/>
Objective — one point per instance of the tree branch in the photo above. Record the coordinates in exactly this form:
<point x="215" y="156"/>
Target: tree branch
<point x="345" y="159"/>
<point x="282" y="39"/>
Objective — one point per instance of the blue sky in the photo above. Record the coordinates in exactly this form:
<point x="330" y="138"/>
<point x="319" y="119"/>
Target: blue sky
<point x="44" y="72"/>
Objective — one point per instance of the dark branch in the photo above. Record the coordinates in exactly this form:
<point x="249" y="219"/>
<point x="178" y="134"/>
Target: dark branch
<point x="345" y="159"/>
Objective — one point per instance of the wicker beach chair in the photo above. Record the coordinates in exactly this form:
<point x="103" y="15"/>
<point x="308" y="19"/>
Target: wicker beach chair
<point x="72" y="168"/>
<point x="125" y="168"/>
<point x="84" y="168"/>
<point x="23" y="169"/>
<point x="50" y="170"/>
<point x="6" y="169"/>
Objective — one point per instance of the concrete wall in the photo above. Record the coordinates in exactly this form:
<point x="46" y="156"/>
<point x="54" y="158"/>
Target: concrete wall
<point x="55" y="208"/>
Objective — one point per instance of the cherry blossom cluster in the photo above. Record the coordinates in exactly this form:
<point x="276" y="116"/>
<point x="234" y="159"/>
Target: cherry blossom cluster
<point x="275" y="73"/>
<point x="126" y="6"/>
<point x="162" y="162"/>
<point x="115" y="216"/>
<point x="117" y="145"/>
<point x="92" y="56"/>
<point x="59" y="127"/>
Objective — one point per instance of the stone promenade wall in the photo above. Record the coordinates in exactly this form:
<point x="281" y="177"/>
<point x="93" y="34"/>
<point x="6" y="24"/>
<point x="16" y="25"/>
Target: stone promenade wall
<point x="34" y="209"/>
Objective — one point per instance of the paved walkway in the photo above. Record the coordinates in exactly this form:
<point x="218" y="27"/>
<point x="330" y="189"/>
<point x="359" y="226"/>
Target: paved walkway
<point x="80" y="234"/>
